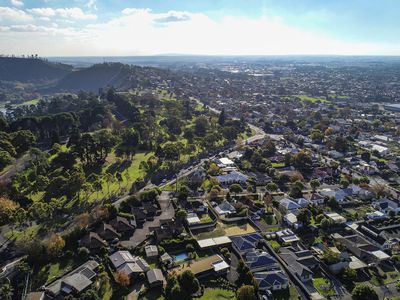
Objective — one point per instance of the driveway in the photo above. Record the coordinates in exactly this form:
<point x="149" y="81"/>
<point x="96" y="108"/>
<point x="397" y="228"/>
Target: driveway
<point x="141" y="234"/>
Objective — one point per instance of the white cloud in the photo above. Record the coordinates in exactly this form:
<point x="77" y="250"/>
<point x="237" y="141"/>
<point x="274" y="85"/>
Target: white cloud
<point x="17" y="3"/>
<point x="10" y="14"/>
<point x="142" y="31"/>
<point x="92" y="4"/>
<point x="74" y="13"/>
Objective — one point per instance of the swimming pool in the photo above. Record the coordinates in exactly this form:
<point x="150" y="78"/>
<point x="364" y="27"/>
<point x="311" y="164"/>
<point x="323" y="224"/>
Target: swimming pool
<point x="180" y="257"/>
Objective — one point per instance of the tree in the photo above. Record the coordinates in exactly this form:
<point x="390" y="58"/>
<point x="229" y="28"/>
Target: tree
<point x="22" y="140"/>
<point x="122" y="278"/>
<point x="89" y="295"/>
<point x="366" y="156"/>
<point x="221" y="118"/>
<point x="6" y="291"/>
<point x="5" y="159"/>
<point x="200" y="126"/>
<point x="235" y="188"/>
<point x="304" y="216"/>
<point x="349" y="275"/>
<point x="55" y="244"/>
<point x="302" y="161"/>
<point x="314" y="183"/>
<point x="295" y="192"/>
<point x="184" y="192"/>
<point x="364" y="292"/>
<point x="344" y="183"/>
<point x="330" y="257"/>
<point x="246" y="292"/>
<point x="273" y="187"/>
<point x="7" y="209"/>
<point x="181" y="214"/>
<point x="189" y="282"/>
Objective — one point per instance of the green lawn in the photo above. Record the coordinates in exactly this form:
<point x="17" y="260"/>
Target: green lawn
<point x="133" y="171"/>
<point x="323" y="286"/>
<point x="217" y="294"/>
<point x="278" y="165"/>
<point x="310" y="99"/>
<point x="288" y="294"/>
<point x="30" y="231"/>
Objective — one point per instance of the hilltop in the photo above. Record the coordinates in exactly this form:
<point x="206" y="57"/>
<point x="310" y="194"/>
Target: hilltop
<point x="31" y="69"/>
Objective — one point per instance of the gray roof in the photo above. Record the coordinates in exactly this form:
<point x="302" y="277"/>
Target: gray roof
<point x="77" y="281"/>
<point x="155" y="275"/>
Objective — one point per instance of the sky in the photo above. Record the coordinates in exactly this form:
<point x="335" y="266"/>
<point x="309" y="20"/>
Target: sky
<point x="206" y="27"/>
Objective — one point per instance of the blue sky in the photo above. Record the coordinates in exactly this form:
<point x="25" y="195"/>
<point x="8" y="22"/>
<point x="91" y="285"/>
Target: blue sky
<point x="233" y="27"/>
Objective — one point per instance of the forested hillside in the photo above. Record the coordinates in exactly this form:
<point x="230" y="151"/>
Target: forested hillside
<point x="31" y="69"/>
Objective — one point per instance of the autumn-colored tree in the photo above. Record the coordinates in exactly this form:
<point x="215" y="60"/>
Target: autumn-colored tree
<point x="55" y="244"/>
<point x="122" y="278"/>
<point x="7" y="209"/>
<point x="82" y="221"/>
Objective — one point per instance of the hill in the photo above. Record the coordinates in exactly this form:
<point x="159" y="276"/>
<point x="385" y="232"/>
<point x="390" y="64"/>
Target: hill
<point x="31" y="69"/>
<point x="118" y="75"/>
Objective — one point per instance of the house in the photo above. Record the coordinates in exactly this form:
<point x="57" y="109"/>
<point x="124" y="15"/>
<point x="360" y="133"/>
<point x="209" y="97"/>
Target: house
<point x="93" y="242"/>
<point x="271" y="280"/>
<point x="335" y="154"/>
<point x="166" y="258"/>
<point x="167" y="229"/>
<point x="151" y="251"/>
<point x="380" y="238"/>
<point x="386" y="205"/>
<point x="376" y="215"/>
<point x="361" y="248"/>
<point x="258" y="261"/>
<point x="288" y="205"/>
<point x="300" y="270"/>
<point x="291" y="221"/>
<point x="315" y="198"/>
<point x="107" y="232"/>
<point x="232" y="177"/>
<point x="224" y="162"/>
<point x="197" y="177"/>
<point x="302" y="202"/>
<point x="260" y="178"/>
<point x="339" y="194"/>
<point x="304" y="257"/>
<point x="155" y="277"/>
<point x="75" y="282"/>
<point x="287" y="236"/>
<point x="335" y="217"/>
<point x="123" y="225"/>
<point x="211" y="265"/>
<point x="225" y="208"/>
<point x="124" y="261"/>
<point x="192" y="219"/>
<point x="246" y="243"/>
<point x="383" y="151"/>
<point x="140" y="214"/>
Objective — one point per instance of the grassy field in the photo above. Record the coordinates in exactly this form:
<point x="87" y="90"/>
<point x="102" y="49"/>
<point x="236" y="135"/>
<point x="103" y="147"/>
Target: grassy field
<point x="310" y="99"/>
<point x="132" y="172"/>
<point x="217" y="294"/>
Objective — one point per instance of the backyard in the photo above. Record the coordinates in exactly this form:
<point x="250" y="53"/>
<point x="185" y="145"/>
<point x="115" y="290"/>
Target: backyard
<point x="222" y="229"/>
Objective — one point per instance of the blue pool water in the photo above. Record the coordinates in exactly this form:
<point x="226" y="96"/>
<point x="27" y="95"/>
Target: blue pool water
<point x="180" y="257"/>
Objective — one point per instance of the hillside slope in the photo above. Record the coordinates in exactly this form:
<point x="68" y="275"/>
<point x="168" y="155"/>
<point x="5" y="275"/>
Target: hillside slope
<point x="31" y="69"/>
<point x="118" y="75"/>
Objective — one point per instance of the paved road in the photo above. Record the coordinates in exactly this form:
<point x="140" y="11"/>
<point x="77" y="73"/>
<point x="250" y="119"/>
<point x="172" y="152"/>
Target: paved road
<point x="141" y="234"/>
